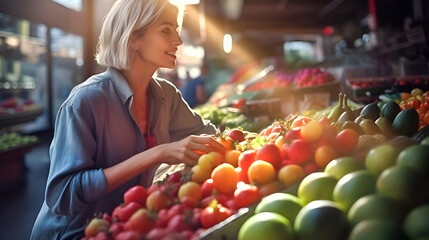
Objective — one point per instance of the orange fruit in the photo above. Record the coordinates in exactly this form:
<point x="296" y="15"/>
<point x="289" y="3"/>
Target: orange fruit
<point x="218" y="157"/>
<point x="231" y="157"/>
<point x="225" y="178"/>
<point x="190" y="189"/>
<point x="324" y="154"/>
<point x="206" y="162"/>
<point x="227" y="142"/>
<point x="199" y="175"/>
<point x="261" y="172"/>
<point x="290" y="174"/>
<point x="311" y="131"/>
<point x="405" y="96"/>
<point x="158" y="200"/>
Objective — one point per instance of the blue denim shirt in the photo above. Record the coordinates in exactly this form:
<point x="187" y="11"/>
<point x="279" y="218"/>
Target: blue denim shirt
<point x="95" y="129"/>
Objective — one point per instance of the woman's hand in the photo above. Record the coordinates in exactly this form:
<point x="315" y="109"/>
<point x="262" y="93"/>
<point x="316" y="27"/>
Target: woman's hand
<point x="189" y="149"/>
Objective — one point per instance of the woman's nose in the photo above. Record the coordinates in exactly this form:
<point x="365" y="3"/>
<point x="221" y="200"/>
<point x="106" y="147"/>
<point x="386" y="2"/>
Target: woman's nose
<point x="178" y="40"/>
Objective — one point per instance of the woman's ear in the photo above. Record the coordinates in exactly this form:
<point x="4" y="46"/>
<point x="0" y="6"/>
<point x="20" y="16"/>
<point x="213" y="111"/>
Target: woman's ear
<point x="134" y="42"/>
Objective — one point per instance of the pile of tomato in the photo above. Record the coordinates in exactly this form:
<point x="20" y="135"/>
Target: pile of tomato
<point x="419" y="100"/>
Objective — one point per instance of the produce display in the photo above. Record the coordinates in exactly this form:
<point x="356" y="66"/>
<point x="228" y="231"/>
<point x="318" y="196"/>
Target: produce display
<point x="13" y="140"/>
<point x="306" y="77"/>
<point x="360" y="88"/>
<point x="359" y="174"/>
<point x="225" y="118"/>
<point x="15" y="105"/>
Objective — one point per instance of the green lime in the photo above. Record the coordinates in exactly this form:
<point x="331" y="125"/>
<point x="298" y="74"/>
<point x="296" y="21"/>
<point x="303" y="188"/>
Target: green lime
<point x="416" y="224"/>
<point x="373" y="206"/>
<point x="266" y="225"/>
<point x="285" y="204"/>
<point x="321" y="220"/>
<point x="316" y="186"/>
<point x="380" y="229"/>
<point x="353" y="186"/>
<point x="342" y="166"/>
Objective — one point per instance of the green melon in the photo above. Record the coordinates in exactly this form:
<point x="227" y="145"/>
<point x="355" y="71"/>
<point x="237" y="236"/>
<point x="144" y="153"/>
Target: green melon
<point x="390" y="110"/>
<point x="406" y="122"/>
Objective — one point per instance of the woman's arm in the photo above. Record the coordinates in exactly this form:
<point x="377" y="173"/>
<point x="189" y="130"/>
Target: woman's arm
<point x="182" y="151"/>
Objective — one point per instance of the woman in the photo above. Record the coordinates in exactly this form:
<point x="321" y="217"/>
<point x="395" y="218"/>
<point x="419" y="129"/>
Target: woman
<point x="116" y="128"/>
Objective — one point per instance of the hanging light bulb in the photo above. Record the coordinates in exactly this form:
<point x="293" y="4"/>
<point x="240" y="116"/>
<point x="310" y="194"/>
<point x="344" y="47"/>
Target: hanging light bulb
<point x="227" y="43"/>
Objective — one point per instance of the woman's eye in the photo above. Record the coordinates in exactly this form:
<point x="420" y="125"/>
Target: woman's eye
<point x="166" y="31"/>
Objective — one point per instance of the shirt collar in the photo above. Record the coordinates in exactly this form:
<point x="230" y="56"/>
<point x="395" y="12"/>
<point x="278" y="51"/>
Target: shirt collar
<point x="121" y="85"/>
<point x="155" y="89"/>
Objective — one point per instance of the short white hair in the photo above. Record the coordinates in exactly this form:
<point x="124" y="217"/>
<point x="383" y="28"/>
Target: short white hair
<point x="125" y="18"/>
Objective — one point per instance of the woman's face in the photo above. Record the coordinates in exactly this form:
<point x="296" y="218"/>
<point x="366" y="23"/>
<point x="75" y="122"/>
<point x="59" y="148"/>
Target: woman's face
<point x="158" y="46"/>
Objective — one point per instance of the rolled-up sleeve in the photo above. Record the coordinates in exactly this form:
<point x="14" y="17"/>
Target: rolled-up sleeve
<point x="73" y="181"/>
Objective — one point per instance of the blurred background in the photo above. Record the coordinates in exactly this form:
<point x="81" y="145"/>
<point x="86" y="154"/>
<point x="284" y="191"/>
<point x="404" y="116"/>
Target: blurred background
<point x="47" y="47"/>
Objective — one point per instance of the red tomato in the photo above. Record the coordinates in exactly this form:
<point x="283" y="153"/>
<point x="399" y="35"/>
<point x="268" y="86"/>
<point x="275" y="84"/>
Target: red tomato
<point x="128" y="235"/>
<point x="426" y="118"/>
<point x="107" y="217"/>
<point x="299" y="122"/>
<point x="346" y="141"/>
<point x="245" y="159"/>
<point x="195" y="220"/>
<point x="141" y="221"/>
<point x="136" y="194"/>
<point x="221" y="199"/>
<point x="242" y="175"/>
<point x="124" y="212"/>
<point x="116" y="228"/>
<point x="269" y="153"/>
<point x="414" y="103"/>
<point x="425" y="104"/>
<point x="177" y="224"/>
<point x="214" y="214"/>
<point x="207" y="187"/>
<point x="300" y="151"/>
<point x="207" y="200"/>
<point x="246" y="195"/>
<point x="157" y="233"/>
<point x="155" y="187"/>
<point x="189" y="202"/>
<point x="174" y="177"/>
<point x="171" y="189"/>
<point x="176" y="209"/>
<point x="293" y="134"/>
<point x="310" y="168"/>
<point x="162" y="218"/>
<point x="237" y="135"/>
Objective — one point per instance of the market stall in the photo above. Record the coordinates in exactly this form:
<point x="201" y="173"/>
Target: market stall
<point x="359" y="168"/>
<point x="323" y="109"/>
